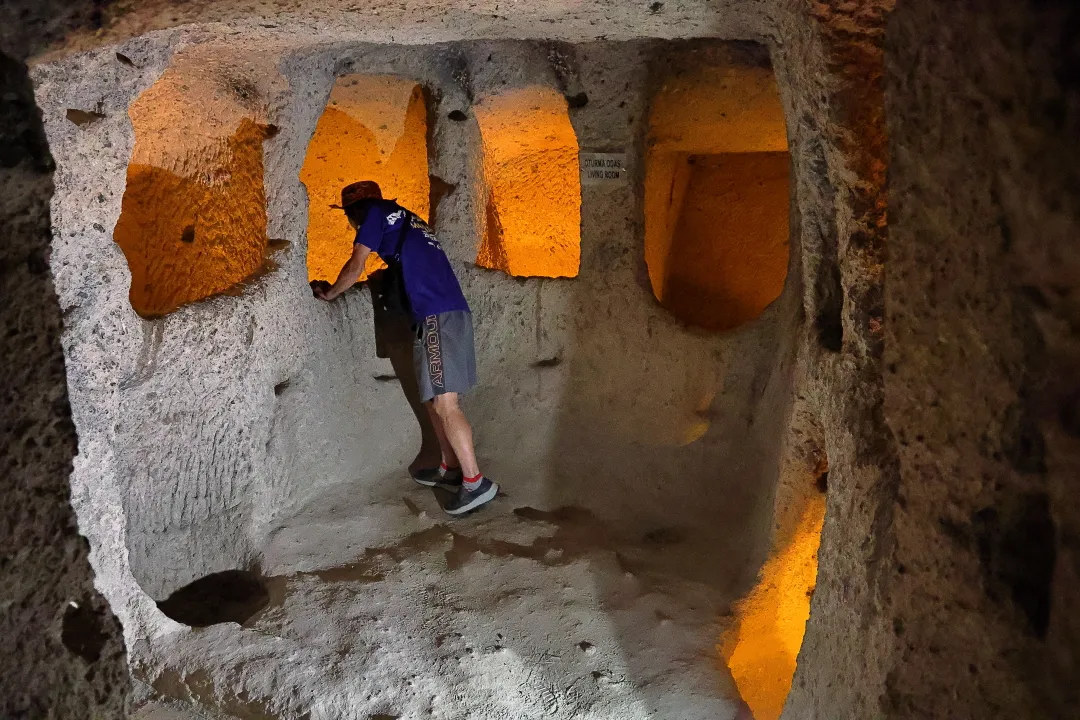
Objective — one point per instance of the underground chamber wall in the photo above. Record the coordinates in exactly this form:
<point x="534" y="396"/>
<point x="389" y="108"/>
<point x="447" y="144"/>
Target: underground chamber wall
<point x="718" y="199"/>
<point x="921" y="692"/>
<point x="560" y="321"/>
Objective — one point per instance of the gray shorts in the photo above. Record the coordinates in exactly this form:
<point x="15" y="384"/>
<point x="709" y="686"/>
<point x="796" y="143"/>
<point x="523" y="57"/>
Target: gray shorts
<point x="443" y="354"/>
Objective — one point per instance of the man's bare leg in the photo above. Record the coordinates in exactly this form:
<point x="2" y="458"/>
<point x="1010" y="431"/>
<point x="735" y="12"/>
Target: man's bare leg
<point x="401" y="357"/>
<point x="475" y="490"/>
<point x="449" y="457"/>
<point x="455" y="427"/>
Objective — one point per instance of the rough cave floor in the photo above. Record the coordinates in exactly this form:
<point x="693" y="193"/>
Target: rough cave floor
<point x="512" y="612"/>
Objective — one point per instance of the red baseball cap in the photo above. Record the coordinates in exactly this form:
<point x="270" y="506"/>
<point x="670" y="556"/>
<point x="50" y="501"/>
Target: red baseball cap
<point x="363" y="190"/>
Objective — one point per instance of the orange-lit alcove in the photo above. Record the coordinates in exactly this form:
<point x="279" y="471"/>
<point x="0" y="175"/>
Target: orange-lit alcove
<point x="193" y="216"/>
<point x="717" y="196"/>
<point x="761" y="648"/>
<point x="532" y="218"/>
<point x="374" y="127"/>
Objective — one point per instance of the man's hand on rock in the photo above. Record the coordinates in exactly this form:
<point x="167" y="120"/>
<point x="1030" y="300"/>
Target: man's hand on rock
<point x="320" y="288"/>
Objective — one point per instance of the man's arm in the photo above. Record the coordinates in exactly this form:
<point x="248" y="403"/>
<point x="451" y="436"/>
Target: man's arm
<point x="349" y="272"/>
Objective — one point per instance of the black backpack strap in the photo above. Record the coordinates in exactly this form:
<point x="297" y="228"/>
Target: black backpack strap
<point x="405" y="224"/>
<point x="394" y="297"/>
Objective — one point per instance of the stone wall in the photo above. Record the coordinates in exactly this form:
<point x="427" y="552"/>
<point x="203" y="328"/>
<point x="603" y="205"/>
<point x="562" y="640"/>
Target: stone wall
<point x="64" y="653"/>
<point x="833" y="96"/>
<point x="967" y="607"/>
<point x="981" y="385"/>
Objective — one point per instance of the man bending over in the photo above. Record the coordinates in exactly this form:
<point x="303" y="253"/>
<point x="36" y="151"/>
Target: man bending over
<point x="420" y="277"/>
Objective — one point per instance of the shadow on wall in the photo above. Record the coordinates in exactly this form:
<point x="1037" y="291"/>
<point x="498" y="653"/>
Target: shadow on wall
<point x="193" y="216"/>
<point x="717" y="196"/>
<point x="374" y="128"/>
<point x="532" y="217"/>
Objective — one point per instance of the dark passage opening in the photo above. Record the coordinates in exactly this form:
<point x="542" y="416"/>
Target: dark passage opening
<point x="229" y="596"/>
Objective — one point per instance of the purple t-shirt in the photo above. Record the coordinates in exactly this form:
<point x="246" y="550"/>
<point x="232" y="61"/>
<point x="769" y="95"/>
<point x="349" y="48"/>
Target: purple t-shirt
<point x="430" y="282"/>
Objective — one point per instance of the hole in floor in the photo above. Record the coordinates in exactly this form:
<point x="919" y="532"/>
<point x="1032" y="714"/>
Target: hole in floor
<point x="223" y="597"/>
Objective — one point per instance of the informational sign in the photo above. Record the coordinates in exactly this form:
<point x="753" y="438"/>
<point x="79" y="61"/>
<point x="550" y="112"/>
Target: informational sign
<point x="603" y="168"/>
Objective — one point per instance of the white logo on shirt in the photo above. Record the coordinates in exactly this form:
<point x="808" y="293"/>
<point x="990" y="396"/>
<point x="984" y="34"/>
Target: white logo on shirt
<point x="428" y="233"/>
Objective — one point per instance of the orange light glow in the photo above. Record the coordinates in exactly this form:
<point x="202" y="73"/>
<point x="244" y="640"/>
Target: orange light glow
<point x="532" y="219"/>
<point x="729" y="254"/>
<point x="374" y="128"/>
<point x="761" y="648"/>
<point x="193" y="216"/>
<point x="716" y="196"/>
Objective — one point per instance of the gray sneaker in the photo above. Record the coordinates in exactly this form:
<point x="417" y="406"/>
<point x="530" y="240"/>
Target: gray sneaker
<point x="436" y="477"/>
<point x="467" y="500"/>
